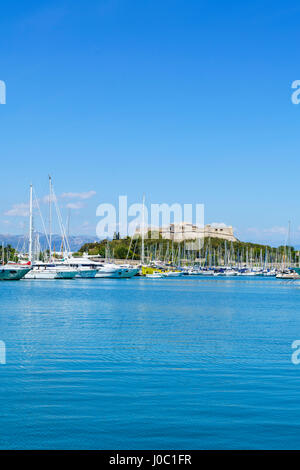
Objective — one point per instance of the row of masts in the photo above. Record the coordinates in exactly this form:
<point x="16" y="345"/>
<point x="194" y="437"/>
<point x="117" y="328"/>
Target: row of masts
<point x="30" y="252"/>
<point x="64" y="234"/>
<point x="178" y="253"/>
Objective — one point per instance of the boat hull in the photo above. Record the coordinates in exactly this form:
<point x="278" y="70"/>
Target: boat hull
<point x="128" y="273"/>
<point x="11" y="274"/>
<point x="66" y="274"/>
<point x="87" y="274"/>
<point x="35" y="274"/>
<point x="117" y="273"/>
<point x="109" y="274"/>
<point x="154" y="276"/>
<point x="172" y="274"/>
<point x="50" y="274"/>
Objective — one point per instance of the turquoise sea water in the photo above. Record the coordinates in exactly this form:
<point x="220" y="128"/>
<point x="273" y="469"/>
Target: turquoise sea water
<point x="188" y="363"/>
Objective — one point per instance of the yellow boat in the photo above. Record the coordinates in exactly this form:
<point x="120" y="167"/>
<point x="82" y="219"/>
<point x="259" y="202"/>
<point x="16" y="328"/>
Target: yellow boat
<point x="151" y="269"/>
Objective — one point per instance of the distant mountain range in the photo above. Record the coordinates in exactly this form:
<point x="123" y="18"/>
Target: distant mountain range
<point x="20" y="242"/>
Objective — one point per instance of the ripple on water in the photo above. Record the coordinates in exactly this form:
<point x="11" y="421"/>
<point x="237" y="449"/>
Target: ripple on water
<point x="172" y="363"/>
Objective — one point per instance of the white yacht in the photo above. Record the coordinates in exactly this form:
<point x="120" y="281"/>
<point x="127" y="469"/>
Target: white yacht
<point x="155" y="275"/>
<point x="84" y="267"/>
<point x="50" y="271"/>
<point x="129" y="270"/>
<point x="229" y="272"/>
<point x="193" y="272"/>
<point x="172" y="273"/>
<point x="272" y="272"/>
<point x="112" y="270"/>
<point x="248" y="272"/>
<point x="88" y="268"/>
<point x="14" y="271"/>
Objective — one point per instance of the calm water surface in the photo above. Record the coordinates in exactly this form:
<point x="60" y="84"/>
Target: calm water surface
<point x="188" y="363"/>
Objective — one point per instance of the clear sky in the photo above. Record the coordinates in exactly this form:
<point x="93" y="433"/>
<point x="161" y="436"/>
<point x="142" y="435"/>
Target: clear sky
<point x="186" y="100"/>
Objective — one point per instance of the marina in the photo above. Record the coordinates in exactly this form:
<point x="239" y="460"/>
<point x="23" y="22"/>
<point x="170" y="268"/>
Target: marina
<point x="86" y="268"/>
<point x="91" y="268"/>
<point x="171" y="259"/>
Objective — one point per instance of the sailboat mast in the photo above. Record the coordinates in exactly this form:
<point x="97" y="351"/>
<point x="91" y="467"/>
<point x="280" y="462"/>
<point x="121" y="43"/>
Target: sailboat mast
<point x="143" y="231"/>
<point x="289" y="243"/>
<point x="50" y="218"/>
<point x="30" y="225"/>
<point x="68" y="223"/>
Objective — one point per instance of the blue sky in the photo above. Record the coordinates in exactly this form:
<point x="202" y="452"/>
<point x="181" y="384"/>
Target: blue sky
<point x="186" y="100"/>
